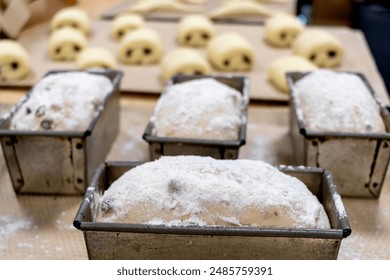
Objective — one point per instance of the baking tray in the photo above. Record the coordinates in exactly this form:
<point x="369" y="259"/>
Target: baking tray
<point x="60" y="162"/>
<point x="210" y="5"/>
<point x="358" y="161"/>
<point x="219" y="149"/>
<point x="137" y="241"/>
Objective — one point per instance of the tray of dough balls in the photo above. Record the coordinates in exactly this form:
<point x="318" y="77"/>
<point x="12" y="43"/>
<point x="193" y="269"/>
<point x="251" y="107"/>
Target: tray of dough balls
<point x="150" y="53"/>
<point x="192" y="207"/>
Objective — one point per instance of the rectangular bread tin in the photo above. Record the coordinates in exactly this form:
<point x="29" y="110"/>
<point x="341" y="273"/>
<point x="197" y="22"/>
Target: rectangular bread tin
<point x="357" y="161"/>
<point x="137" y="241"/>
<point x="61" y="162"/>
<point x="219" y="149"/>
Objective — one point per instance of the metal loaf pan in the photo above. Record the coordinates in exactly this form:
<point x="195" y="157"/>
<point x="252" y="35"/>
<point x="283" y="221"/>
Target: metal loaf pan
<point x="137" y="241"/>
<point x="357" y="161"/>
<point x="219" y="149"/>
<point x="61" y="162"/>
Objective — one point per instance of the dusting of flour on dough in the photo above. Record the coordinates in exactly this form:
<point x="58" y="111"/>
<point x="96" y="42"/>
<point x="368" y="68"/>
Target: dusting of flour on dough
<point x="339" y="102"/>
<point x="188" y="190"/>
<point x="202" y="108"/>
<point x="62" y="101"/>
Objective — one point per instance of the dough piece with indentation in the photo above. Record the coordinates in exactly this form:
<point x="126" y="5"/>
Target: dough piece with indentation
<point x="231" y="52"/>
<point x="281" y="30"/>
<point x="143" y="46"/>
<point x="195" y="31"/>
<point x="279" y="67"/>
<point x="66" y="43"/>
<point x="241" y="8"/>
<point x="14" y="60"/>
<point x="96" y="57"/>
<point x="149" y="6"/>
<point x="320" y="47"/>
<point x="184" y="61"/>
<point x="71" y="17"/>
<point x="125" y="23"/>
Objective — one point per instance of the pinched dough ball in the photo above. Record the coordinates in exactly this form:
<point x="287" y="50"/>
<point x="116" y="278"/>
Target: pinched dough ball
<point x="281" y="30"/>
<point x="125" y="23"/>
<point x="231" y="52"/>
<point x="148" y="6"/>
<point x="319" y="47"/>
<point x="96" y="57"/>
<point x="184" y="61"/>
<point x="195" y="31"/>
<point x="66" y="44"/>
<point x="71" y="17"/>
<point x="14" y="61"/>
<point x="143" y="46"/>
<point x="241" y="8"/>
<point x="279" y="67"/>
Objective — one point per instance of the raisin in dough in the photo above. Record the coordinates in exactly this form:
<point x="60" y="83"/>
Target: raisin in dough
<point x="241" y="8"/>
<point x="66" y="43"/>
<point x="184" y="61"/>
<point x="231" y="52"/>
<point x="149" y="6"/>
<point x="142" y="46"/>
<point x="126" y="23"/>
<point x="320" y="47"/>
<point x="195" y="31"/>
<point x="14" y="61"/>
<point x="96" y="57"/>
<point x="281" y="30"/>
<point x="279" y="67"/>
<point x="71" y="17"/>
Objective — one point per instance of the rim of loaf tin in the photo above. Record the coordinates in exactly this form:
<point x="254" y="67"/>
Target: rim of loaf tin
<point x="340" y="227"/>
<point x="227" y="79"/>
<point x="293" y="77"/>
<point x="114" y="76"/>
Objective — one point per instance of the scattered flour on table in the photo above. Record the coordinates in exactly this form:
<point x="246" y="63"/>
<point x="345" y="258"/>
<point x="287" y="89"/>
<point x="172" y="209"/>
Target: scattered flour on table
<point x="339" y="102"/>
<point x="196" y="190"/>
<point x="63" y="101"/>
<point x="204" y="108"/>
<point x="9" y="226"/>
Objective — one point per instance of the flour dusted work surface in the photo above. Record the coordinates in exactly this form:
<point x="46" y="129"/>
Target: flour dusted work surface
<point x="148" y="80"/>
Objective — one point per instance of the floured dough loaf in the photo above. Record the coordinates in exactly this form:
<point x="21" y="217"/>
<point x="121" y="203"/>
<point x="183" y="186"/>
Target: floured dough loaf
<point x="125" y="23"/>
<point x="282" y="29"/>
<point x="337" y="102"/>
<point x="201" y="109"/>
<point x="279" y="67"/>
<point x="66" y="43"/>
<point x="192" y="190"/>
<point x="14" y="60"/>
<point x="62" y="102"/>
<point x="195" y="31"/>
<point x="71" y="17"/>
<point x="320" y="47"/>
<point x="241" y="8"/>
<point x="96" y="57"/>
<point x="142" y="46"/>
<point x="149" y="6"/>
<point x="231" y="52"/>
<point x="184" y="61"/>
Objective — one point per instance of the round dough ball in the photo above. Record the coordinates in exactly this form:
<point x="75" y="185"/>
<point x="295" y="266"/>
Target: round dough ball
<point x="125" y="23"/>
<point x="195" y="31"/>
<point x="66" y="43"/>
<point x="320" y="47"/>
<point x="14" y="61"/>
<point x="184" y="61"/>
<point x="143" y="46"/>
<point x="71" y="17"/>
<point x="231" y="52"/>
<point x="281" y="30"/>
<point x="96" y="57"/>
<point x="279" y="67"/>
